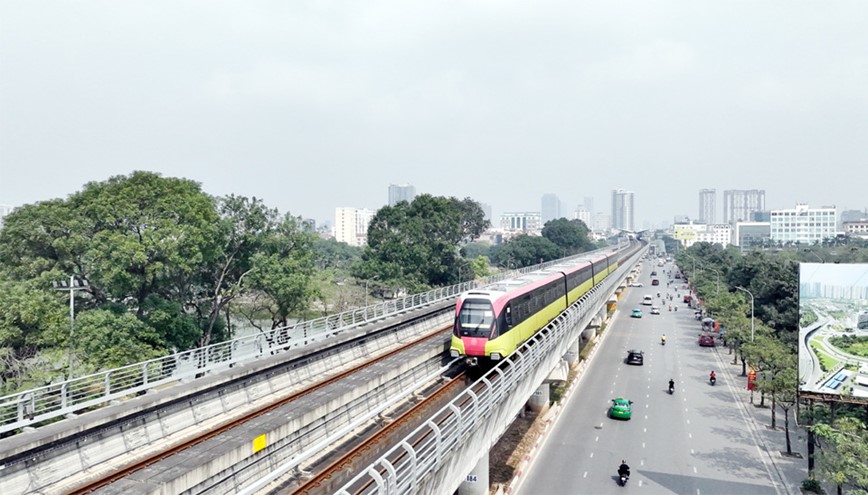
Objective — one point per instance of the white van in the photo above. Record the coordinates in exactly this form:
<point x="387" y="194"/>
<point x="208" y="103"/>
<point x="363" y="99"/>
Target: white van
<point x="646" y="301"/>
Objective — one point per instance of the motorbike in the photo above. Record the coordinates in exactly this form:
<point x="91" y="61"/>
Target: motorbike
<point x="712" y="380"/>
<point x="671" y="389"/>
<point x="676" y="308"/>
<point x="624" y="477"/>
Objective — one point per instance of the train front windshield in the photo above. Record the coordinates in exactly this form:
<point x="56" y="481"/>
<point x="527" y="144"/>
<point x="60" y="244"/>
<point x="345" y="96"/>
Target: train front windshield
<point x="475" y="319"/>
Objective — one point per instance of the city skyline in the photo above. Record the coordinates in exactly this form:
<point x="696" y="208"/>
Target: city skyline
<point x="311" y="108"/>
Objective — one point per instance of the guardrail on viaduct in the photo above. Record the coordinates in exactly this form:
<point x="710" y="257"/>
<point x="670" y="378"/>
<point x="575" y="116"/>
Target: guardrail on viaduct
<point x="455" y="438"/>
<point x="76" y="394"/>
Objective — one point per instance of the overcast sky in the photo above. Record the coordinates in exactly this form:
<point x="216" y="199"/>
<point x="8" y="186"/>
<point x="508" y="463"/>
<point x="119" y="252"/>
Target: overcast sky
<point x="319" y="104"/>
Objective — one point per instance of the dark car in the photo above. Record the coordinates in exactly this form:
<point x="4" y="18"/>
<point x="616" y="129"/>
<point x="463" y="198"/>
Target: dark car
<point x="635" y="357"/>
<point x="653" y="274"/>
<point x="706" y="341"/>
<point x="655" y="282"/>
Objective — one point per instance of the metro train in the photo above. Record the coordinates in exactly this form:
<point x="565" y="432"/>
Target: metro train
<point x="493" y="322"/>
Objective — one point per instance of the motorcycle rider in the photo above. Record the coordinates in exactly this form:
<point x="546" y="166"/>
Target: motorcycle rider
<point x="624" y="469"/>
<point x="671" y="385"/>
<point x="712" y="377"/>
<point x="663" y="339"/>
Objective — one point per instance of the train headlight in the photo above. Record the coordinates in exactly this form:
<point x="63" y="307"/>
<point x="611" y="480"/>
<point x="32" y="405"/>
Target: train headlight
<point x="454" y="353"/>
<point x="495" y="356"/>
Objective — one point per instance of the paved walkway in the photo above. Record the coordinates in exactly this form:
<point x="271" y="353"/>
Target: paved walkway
<point x="788" y="471"/>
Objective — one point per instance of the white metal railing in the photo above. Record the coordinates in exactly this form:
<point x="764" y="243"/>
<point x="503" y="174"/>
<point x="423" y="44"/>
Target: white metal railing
<point x="70" y="396"/>
<point x="400" y="470"/>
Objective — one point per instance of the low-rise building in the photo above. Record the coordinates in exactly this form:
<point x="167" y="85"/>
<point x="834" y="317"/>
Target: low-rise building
<point x="751" y="234"/>
<point x="690" y="233"/>
<point x="802" y="224"/>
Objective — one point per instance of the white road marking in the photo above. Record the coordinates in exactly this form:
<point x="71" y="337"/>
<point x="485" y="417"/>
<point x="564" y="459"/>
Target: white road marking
<point x="691" y="451"/>
<point x="646" y="406"/>
<point x="640" y="482"/>
<point x="644" y="430"/>
<point x="694" y="469"/>
<point x="592" y="454"/>
<point x="688" y="421"/>
<point x="643" y="445"/>
<point x="586" y="475"/>
<point x="690" y="435"/>
<point x="597" y="439"/>
<point x="646" y="416"/>
<point x="642" y="462"/>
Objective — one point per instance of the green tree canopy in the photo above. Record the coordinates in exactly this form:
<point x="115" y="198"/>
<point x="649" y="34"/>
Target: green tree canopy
<point x="569" y="235"/>
<point x="417" y="244"/>
<point x="525" y="250"/>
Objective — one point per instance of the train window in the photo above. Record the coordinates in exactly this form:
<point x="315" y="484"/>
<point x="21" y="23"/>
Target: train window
<point x="509" y="315"/>
<point x="476" y="319"/>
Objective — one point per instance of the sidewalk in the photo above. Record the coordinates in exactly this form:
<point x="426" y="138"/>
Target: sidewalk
<point x="787" y="471"/>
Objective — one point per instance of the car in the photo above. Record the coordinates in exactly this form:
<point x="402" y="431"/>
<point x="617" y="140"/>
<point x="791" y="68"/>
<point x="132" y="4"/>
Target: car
<point x="706" y="341"/>
<point x="635" y="357"/>
<point x="677" y="275"/>
<point x="636" y="284"/>
<point x="655" y="310"/>
<point x="655" y="282"/>
<point x="637" y="313"/>
<point x="621" y="408"/>
<point x="653" y="274"/>
<point x="647" y="300"/>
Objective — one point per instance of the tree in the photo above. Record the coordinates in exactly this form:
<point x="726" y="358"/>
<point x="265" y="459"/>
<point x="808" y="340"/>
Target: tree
<point x="30" y="321"/>
<point x="525" y="250"/>
<point x="786" y="395"/>
<point x="843" y="453"/>
<point x="424" y="235"/>
<point x="569" y="235"/>
<point x="284" y="269"/>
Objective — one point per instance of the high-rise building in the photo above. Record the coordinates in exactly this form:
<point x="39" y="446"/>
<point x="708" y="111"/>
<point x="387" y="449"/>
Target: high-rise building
<point x="589" y="204"/>
<point x="4" y="210"/>
<point x="707" y="205"/>
<point x="351" y="225"/>
<point x="803" y="225"/>
<point x="602" y="222"/>
<point x="739" y="205"/>
<point x="401" y="192"/>
<point x="551" y="207"/>
<point x="486" y="210"/>
<point x="584" y="215"/>
<point x="622" y="210"/>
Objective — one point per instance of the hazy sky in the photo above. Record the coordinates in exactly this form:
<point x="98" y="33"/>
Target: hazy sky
<point x="312" y="105"/>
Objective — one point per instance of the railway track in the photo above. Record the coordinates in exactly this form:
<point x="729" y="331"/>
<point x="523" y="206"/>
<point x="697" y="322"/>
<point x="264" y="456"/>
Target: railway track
<point x="152" y="458"/>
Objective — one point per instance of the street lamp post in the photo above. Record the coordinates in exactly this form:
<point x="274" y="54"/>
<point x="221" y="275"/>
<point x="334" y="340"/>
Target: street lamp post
<point x="73" y="285"/>
<point x="751" y="310"/>
<point x="716" y="272"/>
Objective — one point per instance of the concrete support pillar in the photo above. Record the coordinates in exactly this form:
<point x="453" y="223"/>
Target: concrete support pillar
<point x="540" y="398"/>
<point x="572" y="355"/>
<point x="588" y="333"/>
<point x="476" y="482"/>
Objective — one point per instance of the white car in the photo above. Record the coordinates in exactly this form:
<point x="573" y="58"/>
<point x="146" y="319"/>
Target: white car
<point x="636" y="284"/>
<point x="655" y="310"/>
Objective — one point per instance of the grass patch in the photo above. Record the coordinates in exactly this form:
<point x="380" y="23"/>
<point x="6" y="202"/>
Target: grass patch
<point x="827" y="362"/>
<point x="852" y="344"/>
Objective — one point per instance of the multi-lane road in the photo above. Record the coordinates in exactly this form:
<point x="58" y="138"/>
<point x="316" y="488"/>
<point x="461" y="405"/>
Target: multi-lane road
<point x="697" y="441"/>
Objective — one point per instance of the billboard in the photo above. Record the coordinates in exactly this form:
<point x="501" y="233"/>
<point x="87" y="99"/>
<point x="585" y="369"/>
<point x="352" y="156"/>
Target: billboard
<point x="833" y="329"/>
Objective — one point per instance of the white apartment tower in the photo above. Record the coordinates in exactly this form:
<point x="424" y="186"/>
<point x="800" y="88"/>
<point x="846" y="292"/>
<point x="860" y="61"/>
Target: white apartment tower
<point x="740" y="205"/>
<point x="707" y="205"/>
<point x="401" y="192"/>
<point x="622" y="210"/>
<point x="351" y="225"/>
